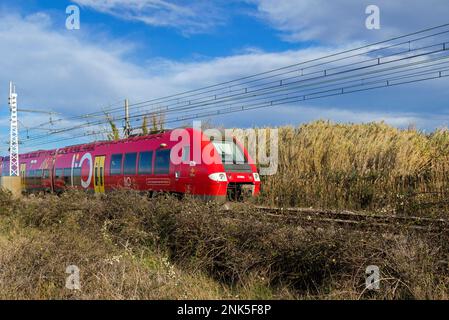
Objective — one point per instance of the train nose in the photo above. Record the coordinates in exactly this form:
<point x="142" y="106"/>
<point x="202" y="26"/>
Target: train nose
<point x="243" y="177"/>
<point x="241" y="186"/>
<point x="240" y="177"/>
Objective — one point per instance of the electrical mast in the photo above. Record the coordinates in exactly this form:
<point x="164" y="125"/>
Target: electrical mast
<point x="14" y="170"/>
<point x="127" y="129"/>
<point x="14" y="133"/>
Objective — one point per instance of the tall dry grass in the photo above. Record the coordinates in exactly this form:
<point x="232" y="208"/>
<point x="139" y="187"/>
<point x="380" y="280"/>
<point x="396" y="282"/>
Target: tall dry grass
<point x="360" y="166"/>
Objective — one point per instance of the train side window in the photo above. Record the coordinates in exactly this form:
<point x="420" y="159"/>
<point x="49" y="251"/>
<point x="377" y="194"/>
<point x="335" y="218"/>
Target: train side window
<point x="76" y="176"/>
<point x="145" y="162"/>
<point x="130" y="163"/>
<point x="186" y="154"/>
<point x="58" y="174"/>
<point x="46" y="174"/>
<point x="162" y="162"/>
<point x="116" y="164"/>
<point x="67" y="175"/>
<point x="38" y="174"/>
<point x="37" y="177"/>
<point x="31" y="177"/>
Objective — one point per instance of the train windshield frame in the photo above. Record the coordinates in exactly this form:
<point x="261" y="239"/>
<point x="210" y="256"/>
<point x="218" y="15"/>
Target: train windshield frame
<point x="231" y="153"/>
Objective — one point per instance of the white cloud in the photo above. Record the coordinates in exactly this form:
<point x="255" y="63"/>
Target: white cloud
<point x="70" y="74"/>
<point x="332" y="21"/>
<point x="188" y="16"/>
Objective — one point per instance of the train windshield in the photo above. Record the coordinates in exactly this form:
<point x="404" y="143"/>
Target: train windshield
<point x="230" y="152"/>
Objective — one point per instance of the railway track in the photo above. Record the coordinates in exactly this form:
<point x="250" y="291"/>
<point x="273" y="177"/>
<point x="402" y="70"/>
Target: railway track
<point x="361" y="220"/>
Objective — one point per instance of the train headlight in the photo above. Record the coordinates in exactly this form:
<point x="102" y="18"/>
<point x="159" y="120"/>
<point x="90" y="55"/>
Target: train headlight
<point x="219" y="177"/>
<point x="256" y="176"/>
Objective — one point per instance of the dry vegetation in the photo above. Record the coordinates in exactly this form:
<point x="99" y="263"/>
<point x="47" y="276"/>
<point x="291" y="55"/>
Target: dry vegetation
<point x="130" y="247"/>
<point x="361" y="166"/>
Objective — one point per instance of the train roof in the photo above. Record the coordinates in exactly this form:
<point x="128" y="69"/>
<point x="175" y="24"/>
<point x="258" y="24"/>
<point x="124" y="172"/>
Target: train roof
<point x="92" y="145"/>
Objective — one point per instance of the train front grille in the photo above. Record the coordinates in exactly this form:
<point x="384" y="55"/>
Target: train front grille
<point x="239" y="191"/>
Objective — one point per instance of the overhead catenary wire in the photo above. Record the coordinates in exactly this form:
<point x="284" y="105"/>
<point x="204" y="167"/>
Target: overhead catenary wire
<point x="227" y="83"/>
<point x="90" y="115"/>
<point x="314" y="60"/>
<point x="326" y="77"/>
<point x="328" y="93"/>
<point x="197" y="108"/>
<point x="303" y="97"/>
<point x="321" y="87"/>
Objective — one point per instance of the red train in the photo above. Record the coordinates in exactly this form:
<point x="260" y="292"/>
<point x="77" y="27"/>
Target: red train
<point x="195" y="164"/>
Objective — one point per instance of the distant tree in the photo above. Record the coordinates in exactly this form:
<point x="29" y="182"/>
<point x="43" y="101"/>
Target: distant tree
<point x="161" y="121"/>
<point x="114" y="135"/>
<point x="157" y="122"/>
<point x="144" y="126"/>
<point x="153" y="122"/>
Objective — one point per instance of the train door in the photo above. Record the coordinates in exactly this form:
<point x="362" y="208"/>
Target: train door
<point x="99" y="174"/>
<point x="52" y="172"/>
<point x="163" y="170"/>
<point x="23" y="168"/>
<point x="183" y="175"/>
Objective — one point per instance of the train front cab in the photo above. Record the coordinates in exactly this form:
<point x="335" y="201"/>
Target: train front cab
<point x="228" y="173"/>
<point x="242" y="179"/>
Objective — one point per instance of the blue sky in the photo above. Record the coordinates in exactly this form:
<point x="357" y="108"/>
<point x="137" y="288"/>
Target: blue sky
<point x="237" y="30"/>
<point x="143" y="49"/>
